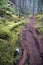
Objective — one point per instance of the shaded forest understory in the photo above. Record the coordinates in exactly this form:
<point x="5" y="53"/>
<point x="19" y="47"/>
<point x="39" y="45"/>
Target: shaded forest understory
<point x="14" y="31"/>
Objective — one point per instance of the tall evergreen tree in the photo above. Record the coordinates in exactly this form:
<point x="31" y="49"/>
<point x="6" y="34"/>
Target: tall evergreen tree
<point x="40" y="3"/>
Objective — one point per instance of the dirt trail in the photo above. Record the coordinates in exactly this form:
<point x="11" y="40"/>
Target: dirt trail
<point x="31" y="45"/>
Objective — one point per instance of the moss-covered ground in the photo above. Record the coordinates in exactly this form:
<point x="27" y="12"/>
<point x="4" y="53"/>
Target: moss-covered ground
<point x="10" y="27"/>
<point x="39" y="24"/>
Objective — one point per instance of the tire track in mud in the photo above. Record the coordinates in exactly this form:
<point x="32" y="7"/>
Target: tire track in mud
<point x="31" y="45"/>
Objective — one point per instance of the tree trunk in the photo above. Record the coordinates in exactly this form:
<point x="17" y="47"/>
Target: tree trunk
<point x="39" y="5"/>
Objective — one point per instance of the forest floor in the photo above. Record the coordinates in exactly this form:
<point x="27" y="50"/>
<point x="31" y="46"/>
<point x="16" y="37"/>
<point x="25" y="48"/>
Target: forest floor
<point x="10" y="28"/>
<point x="31" y="45"/>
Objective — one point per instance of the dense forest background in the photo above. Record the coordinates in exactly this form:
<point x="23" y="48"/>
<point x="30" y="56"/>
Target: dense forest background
<point x="14" y="15"/>
<point x="29" y="6"/>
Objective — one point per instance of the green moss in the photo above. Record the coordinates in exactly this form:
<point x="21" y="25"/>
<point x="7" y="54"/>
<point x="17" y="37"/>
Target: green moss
<point x="39" y="24"/>
<point x="6" y="52"/>
<point x="4" y="34"/>
<point x="10" y="27"/>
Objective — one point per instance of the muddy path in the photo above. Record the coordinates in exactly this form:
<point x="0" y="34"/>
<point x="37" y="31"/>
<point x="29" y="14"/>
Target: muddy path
<point x="31" y="45"/>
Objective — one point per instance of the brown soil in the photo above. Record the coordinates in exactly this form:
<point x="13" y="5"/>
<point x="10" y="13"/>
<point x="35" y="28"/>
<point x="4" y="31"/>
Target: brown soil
<point x="31" y="45"/>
